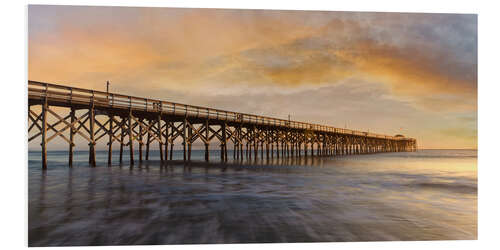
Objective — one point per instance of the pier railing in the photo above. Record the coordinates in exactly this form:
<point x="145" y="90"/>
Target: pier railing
<point x="73" y="95"/>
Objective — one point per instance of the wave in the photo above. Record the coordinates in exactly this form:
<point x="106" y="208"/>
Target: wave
<point x="454" y="187"/>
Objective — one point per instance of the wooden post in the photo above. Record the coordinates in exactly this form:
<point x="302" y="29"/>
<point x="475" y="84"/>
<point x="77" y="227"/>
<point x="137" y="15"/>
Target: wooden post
<point x="110" y="143"/>
<point x="277" y="148"/>
<point x="267" y="149"/>
<point x="262" y="150"/>
<point x="255" y="144"/>
<point x="172" y="143"/>
<point x="235" y="145"/>
<point x="130" y="138"/>
<point x="166" y="139"/>
<point x="206" y="143"/>
<point x="45" y="106"/>
<point x="272" y="150"/>
<point x="240" y="143"/>
<point x="241" y="150"/>
<point x="184" y="141"/>
<point x="122" y="133"/>
<point x="190" y="135"/>
<point x="71" y="137"/>
<point x="224" y="141"/>
<point x="287" y="147"/>
<point x="234" y="150"/>
<point x="160" y="142"/>
<point x="140" y="140"/>
<point x="225" y="152"/>
<point x="283" y="148"/>
<point x="92" y="134"/>
<point x="246" y="151"/>
<point x="148" y="141"/>
<point x="221" y="152"/>
<point x="171" y="151"/>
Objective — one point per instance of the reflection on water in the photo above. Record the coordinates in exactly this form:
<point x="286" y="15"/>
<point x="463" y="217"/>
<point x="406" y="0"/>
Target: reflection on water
<point x="427" y="195"/>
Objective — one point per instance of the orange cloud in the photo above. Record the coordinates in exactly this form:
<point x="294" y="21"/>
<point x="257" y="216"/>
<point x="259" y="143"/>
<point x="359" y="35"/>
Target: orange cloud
<point x="201" y="52"/>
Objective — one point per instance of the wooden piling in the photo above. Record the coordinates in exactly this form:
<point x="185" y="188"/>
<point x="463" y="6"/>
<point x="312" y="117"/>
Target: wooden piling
<point x="130" y="138"/>
<point x="92" y="135"/>
<point x="159" y="134"/>
<point x="71" y="137"/>
<point x="110" y="141"/>
<point x="184" y="139"/>
<point x="223" y="149"/>
<point x="148" y="141"/>
<point x="167" y="123"/>
<point x="122" y="135"/>
<point x="45" y="106"/>
<point x="207" y="156"/>
<point x="190" y="135"/>
<point x="140" y="140"/>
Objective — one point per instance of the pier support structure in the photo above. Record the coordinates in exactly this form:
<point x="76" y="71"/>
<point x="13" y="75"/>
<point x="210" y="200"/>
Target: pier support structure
<point x="92" y="116"/>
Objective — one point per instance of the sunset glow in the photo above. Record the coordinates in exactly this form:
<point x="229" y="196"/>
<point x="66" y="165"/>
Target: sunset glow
<point x="391" y="73"/>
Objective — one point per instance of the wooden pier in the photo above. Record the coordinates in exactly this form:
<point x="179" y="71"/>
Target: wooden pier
<point x="149" y="122"/>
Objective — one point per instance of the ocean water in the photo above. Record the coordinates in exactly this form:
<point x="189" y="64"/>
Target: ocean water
<point x="424" y="195"/>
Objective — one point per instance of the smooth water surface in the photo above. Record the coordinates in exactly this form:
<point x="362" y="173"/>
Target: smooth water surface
<point x="425" y="195"/>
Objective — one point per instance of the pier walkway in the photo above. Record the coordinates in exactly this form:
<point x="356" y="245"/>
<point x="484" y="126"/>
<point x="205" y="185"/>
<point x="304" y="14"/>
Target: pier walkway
<point x="127" y="119"/>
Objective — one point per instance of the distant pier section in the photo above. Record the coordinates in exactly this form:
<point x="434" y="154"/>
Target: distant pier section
<point x="124" y="120"/>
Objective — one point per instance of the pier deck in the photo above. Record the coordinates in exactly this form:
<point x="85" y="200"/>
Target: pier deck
<point x="131" y="119"/>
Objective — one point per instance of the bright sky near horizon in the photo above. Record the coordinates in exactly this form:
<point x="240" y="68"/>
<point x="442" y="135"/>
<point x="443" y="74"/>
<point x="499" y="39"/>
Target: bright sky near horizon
<point x="390" y="73"/>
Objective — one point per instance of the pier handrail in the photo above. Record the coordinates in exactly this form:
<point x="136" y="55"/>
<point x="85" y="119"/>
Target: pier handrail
<point x="69" y="94"/>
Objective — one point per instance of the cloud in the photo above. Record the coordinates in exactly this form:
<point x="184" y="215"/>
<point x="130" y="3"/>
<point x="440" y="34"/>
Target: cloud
<point x="424" y="62"/>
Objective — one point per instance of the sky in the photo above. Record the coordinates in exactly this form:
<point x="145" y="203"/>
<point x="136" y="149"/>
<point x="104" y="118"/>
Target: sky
<point x="389" y="73"/>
